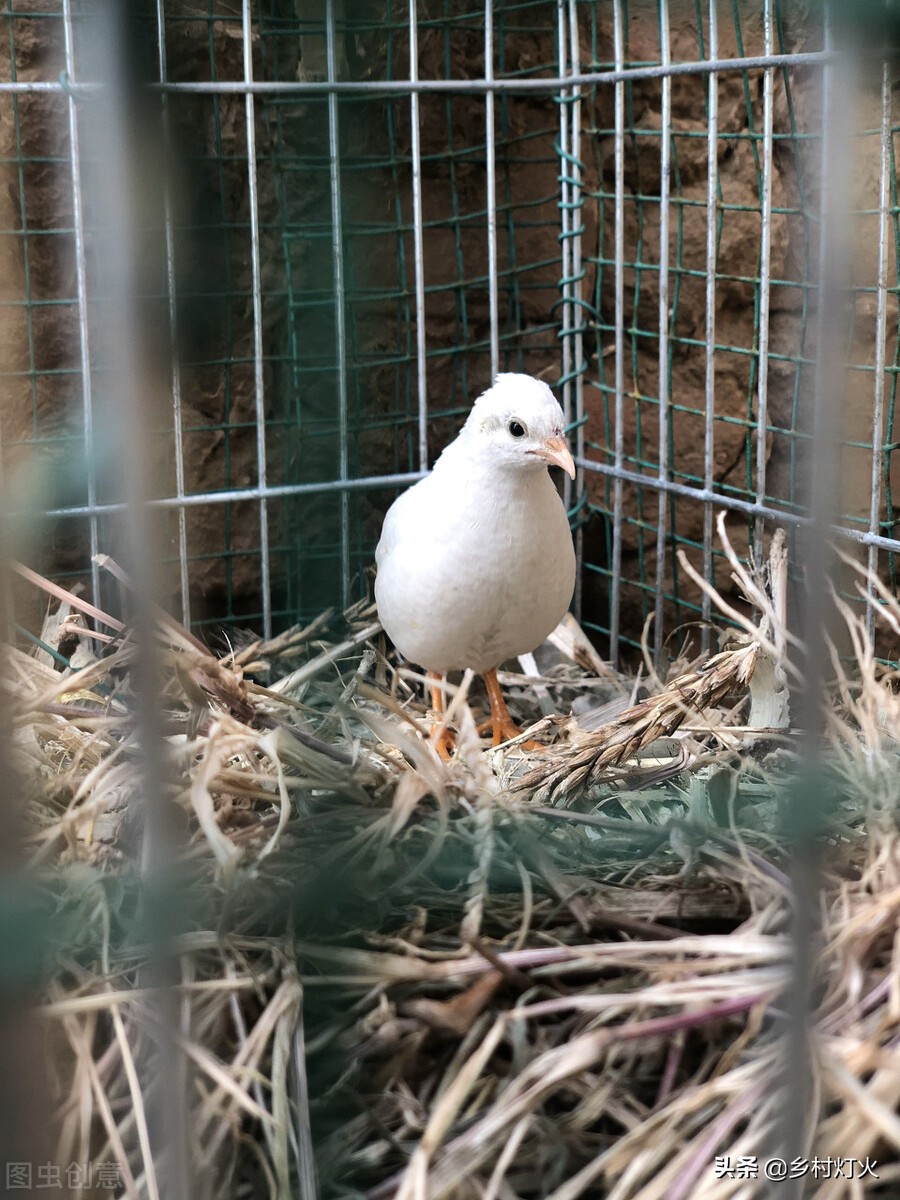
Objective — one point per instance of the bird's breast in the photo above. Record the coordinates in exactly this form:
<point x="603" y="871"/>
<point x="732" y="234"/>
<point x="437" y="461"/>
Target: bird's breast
<point x="470" y="577"/>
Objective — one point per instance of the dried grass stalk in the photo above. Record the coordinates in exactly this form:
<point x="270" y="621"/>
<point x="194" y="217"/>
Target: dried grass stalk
<point x="432" y="978"/>
<point x="591" y="758"/>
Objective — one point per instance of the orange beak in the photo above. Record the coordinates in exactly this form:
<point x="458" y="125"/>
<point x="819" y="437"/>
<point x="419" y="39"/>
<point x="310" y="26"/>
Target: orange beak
<point x="556" y="452"/>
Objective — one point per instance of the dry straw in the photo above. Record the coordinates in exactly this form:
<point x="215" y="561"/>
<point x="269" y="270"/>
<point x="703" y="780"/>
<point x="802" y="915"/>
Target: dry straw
<point x="518" y="975"/>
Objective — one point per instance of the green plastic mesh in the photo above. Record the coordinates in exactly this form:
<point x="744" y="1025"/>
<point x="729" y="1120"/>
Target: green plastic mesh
<point x="311" y="567"/>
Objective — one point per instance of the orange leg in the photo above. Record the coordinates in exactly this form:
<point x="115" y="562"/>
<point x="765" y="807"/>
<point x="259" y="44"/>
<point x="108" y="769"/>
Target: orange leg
<point x="502" y="724"/>
<point x="441" y="737"/>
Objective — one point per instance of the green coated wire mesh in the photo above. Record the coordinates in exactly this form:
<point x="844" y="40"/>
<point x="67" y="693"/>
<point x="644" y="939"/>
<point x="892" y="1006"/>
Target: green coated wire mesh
<point x="341" y="397"/>
<point x="746" y="272"/>
<point x="379" y="252"/>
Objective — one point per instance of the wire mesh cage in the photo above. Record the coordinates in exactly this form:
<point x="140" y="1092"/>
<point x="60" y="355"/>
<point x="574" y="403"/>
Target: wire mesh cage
<point x="246" y="303"/>
<point x="382" y="206"/>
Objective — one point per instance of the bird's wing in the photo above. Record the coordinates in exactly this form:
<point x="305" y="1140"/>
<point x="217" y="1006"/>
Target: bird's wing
<point x="394" y="520"/>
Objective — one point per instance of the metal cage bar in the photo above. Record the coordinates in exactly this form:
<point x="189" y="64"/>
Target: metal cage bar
<point x="803" y="822"/>
<point x="577" y="334"/>
<point x="712" y="214"/>
<point x="177" y="413"/>
<point x="615" y="602"/>
<point x="565" y="235"/>
<point x="785" y="517"/>
<point x="84" y="341"/>
<point x="400" y="87"/>
<point x="340" y="313"/>
<point x="418" y="240"/>
<point x="765" y="257"/>
<point x="116" y="146"/>
<point x="878" y="448"/>
<point x="258" y="362"/>
<point x="490" y="161"/>
<point x="664" y="188"/>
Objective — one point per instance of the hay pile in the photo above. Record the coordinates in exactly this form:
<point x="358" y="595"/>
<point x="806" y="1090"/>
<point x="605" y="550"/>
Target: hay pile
<point x="514" y="975"/>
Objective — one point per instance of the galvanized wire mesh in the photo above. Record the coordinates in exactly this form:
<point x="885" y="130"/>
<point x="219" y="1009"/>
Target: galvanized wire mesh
<point x="421" y="307"/>
<point x="375" y="207"/>
<point x="640" y="218"/>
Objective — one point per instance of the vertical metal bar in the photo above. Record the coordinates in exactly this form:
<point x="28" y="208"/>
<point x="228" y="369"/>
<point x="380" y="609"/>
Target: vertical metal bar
<point x="765" y="246"/>
<point x="565" y="241"/>
<point x="87" y="390"/>
<point x="665" y="166"/>
<point x="575" y="231"/>
<point x="880" y="341"/>
<point x="490" y="151"/>
<point x="418" y="246"/>
<point x="712" y="214"/>
<point x="258" y="372"/>
<point x="129" y="209"/>
<point x="340" y="316"/>
<point x="177" y="419"/>
<point x="615" y="605"/>
<point x="835" y="155"/>
<point x="810" y="797"/>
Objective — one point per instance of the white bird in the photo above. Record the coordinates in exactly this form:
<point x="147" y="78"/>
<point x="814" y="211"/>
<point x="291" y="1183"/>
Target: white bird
<point x="475" y="562"/>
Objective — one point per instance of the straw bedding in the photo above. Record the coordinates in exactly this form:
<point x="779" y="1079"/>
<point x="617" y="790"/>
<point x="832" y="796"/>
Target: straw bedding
<point x="518" y="975"/>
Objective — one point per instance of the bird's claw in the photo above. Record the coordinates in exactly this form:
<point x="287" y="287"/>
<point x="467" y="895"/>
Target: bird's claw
<point x="443" y="741"/>
<point x="506" y="730"/>
<point x="503" y="727"/>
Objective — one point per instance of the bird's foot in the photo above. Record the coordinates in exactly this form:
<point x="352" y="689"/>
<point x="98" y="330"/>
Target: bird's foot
<point x="503" y="727"/>
<point x="441" y="738"/>
<point x="443" y="741"/>
<point x="500" y="724"/>
<point x="505" y="730"/>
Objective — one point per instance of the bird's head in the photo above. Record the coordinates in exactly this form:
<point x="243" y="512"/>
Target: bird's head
<point x="518" y="423"/>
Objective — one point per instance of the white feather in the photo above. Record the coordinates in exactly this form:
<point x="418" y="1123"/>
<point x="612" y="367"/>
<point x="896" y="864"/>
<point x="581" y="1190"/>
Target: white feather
<point x="475" y="562"/>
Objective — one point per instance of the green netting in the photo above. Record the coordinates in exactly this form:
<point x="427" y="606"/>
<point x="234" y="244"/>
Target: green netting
<point x="379" y="265"/>
<point x="793" y="286"/>
<point x="311" y="567"/>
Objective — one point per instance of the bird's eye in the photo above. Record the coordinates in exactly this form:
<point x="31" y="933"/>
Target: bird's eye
<point x="516" y="429"/>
